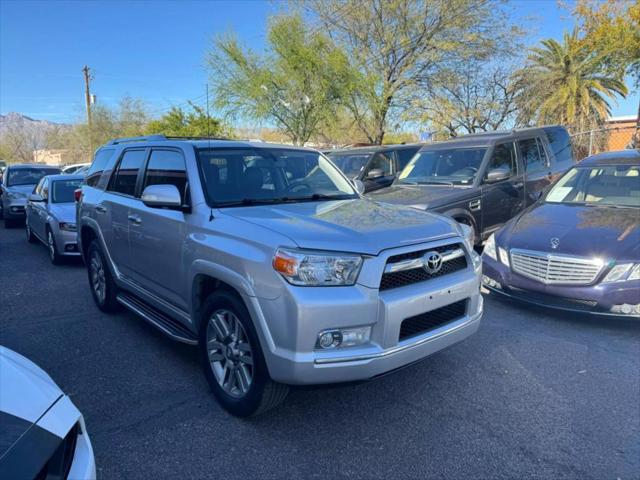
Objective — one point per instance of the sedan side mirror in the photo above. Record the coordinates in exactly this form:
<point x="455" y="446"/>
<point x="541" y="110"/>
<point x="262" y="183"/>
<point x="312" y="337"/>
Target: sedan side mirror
<point x="374" y="173"/>
<point x="359" y="186"/>
<point x="498" y="174"/>
<point x="35" y="197"/>
<point x="161" y="196"/>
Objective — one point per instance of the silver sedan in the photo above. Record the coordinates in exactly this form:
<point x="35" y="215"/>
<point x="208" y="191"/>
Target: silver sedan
<point x="51" y="215"/>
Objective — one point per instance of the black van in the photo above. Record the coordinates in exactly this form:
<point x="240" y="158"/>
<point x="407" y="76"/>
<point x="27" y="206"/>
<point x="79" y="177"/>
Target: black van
<point x="485" y="179"/>
<point x="376" y="166"/>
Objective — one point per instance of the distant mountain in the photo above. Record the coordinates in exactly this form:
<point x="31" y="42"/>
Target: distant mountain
<point x="35" y="130"/>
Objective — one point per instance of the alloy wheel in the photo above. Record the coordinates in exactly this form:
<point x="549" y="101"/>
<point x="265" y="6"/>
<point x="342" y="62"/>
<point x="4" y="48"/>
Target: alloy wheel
<point x="52" y="246"/>
<point x="98" y="279"/>
<point x="229" y="352"/>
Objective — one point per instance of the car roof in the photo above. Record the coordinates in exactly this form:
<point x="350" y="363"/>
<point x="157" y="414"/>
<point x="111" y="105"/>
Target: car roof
<point x="374" y="148"/>
<point x="198" y="142"/>
<point x="620" y="157"/>
<point x="69" y="176"/>
<point x="32" y="165"/>
<point x="485" y="139"/>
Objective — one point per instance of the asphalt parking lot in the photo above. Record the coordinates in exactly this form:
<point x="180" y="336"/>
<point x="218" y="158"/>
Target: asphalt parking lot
<point x="533" y="394"/>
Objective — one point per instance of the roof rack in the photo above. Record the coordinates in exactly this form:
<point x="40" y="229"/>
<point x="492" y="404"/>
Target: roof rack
<point x="159" y="138"/>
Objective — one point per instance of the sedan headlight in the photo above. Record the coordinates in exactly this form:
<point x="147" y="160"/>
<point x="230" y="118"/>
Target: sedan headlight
<point x="314" y="269"/>
<point x="69" y="227"/>
<point x="490" y="247"/>
<point x="622" y="272"/>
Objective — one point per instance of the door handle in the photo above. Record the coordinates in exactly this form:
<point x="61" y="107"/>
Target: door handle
<point x="136" y="220"/>
<point x="100" y="209"/>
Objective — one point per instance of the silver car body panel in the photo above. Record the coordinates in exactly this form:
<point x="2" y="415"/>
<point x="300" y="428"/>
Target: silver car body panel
<point x="161" y="259"/>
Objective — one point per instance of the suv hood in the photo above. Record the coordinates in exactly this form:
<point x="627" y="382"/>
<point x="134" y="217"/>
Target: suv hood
<point x="425" y="196"/>
<point x="25" y="190"/>
<point x="610" y="233"/>
<point x="358" y="226"/>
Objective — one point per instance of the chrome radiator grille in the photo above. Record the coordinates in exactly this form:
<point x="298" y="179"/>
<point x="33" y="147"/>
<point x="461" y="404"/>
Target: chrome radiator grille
<point x="555" y="269"/>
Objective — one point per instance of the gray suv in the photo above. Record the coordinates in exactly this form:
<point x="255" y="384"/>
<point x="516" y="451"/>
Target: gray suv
<point x="268" y="258"/>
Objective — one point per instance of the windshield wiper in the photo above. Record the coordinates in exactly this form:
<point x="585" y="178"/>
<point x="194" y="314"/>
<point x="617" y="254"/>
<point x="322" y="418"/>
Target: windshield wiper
<point x="436" y="182"/>
<point x="609" y="205"/>
<point x="324" y="196"/>
<point x="245" y="202"/>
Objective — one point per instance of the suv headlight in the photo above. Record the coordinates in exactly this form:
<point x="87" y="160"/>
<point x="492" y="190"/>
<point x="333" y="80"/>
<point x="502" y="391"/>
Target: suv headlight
<point x="15" y="195"/>
<point x="69" y="227"/>
<point x="314" y="269"/>
<point x="490" y="248"/>
<point x="468" y="234"/>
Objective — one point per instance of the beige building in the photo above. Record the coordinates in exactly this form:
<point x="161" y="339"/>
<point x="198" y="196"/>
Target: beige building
<point x="53" y="157"/>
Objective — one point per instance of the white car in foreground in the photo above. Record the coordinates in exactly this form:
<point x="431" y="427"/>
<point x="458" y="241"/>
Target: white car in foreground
<point x="42" y="433"/>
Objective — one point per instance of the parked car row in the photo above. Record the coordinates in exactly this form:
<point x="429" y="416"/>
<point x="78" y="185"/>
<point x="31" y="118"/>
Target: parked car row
<point x="274" y="263"/>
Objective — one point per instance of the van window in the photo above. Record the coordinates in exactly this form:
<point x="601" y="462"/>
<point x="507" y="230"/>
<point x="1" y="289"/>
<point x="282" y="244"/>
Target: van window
<point x="98" y="166"/>
<point x="531" y="157"/>
<point x="167" y="167"/>
<point x="504" y="155"/>
<point x="126" y="175"/>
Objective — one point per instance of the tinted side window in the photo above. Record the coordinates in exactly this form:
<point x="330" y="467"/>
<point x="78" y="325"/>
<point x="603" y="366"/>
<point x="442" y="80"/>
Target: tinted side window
<point x="98" y="165"/>
<point x="381" y="161"/>
<point x="38" y="188"/>
<point x="533" y="161"/>
<point x="404" y="155"/>
<point x="560" y="145"/>
<point x="124" y="179"/>
<point x="45" y="189"/>
<point x="504" y="156"/>
<point x="167" y="167"/>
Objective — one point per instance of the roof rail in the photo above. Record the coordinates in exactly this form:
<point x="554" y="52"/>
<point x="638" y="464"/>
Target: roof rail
<point x="148" y="138"/>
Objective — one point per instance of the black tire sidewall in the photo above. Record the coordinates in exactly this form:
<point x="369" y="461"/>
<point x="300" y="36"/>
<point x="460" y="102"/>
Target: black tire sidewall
<point x="110" y="304"/>
<point x="250" y="403"/>
<point x="56" y="258"/>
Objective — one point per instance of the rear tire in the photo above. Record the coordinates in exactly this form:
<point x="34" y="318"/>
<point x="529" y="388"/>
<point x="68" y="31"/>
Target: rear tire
<point x="230" y="349"/>
<point x="103" y="288"/>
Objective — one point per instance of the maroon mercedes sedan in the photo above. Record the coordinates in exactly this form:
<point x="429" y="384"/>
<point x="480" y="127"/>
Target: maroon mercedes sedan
<point x="578" y="247"/>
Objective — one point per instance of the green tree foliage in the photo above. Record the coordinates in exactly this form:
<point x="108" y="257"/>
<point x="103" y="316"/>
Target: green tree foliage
<point x="398" y="46"/>
<point x="180" y="123"/>
<point x="295" y="85"/>
<point x="567" y="83"/>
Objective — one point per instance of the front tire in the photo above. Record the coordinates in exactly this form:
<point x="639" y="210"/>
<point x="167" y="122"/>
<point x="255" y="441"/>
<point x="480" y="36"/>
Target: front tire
<point x="54" y="256"/>
<point x="232" y="358"/>
<point x="31" y="238"/>
<point x="103" y="288"/>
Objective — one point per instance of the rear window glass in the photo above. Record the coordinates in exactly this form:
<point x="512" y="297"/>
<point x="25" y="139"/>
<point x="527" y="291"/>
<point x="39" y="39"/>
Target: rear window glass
<point x="560" y="143"/>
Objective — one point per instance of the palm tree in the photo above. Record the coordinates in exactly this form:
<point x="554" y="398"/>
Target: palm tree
<point x="567" y="83"/>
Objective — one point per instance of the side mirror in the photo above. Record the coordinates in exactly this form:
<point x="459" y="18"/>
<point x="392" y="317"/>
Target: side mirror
<point x="34" y="197"/>
<point x="374" y="173"/>
<point x="498" y="174"/>
<point x="161" y="196"/>
<point x="359" y="186"/>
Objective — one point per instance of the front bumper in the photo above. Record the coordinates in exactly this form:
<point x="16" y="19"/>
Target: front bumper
<point x="66" y="241"/>
<point x="595" y="299"/>
<point x="14" y="209"/>
<point x="295" y="319"/>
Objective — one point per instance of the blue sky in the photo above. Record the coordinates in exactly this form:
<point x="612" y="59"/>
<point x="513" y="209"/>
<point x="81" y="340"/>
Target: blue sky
<point x="153" y="50"/>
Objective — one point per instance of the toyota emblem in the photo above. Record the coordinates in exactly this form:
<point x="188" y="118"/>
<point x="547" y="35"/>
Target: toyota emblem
<point x="432" y="262"/>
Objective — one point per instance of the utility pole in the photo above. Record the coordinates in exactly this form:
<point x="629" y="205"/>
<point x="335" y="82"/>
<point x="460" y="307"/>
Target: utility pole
<point x="87" y="94"/>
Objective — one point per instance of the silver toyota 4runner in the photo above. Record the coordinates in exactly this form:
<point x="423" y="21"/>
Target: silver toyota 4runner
<point x="267" y="258"/>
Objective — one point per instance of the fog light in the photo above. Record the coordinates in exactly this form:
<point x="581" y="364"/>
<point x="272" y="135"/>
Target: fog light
<point x="626" y="309"/>
<point x="347" y="337"/>
<point x="490" y="282"/>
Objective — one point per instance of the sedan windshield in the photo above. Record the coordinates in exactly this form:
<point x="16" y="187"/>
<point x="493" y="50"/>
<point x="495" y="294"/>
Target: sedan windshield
<point x="28" y="176"/>
<point x="451" y="166"/>
<point x="62" y="190"/>
<point x="351" y="164"/>
<point x="248" y="176"/>
<point x="615" y="185"/>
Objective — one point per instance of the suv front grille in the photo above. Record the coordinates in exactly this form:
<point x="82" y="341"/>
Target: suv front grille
<point x="427" y="321"/>
<point x="554" y="269"/>
<point x="407" y="277"/>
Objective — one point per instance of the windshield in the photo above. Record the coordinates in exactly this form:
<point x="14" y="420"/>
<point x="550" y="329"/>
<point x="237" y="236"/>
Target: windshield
<point x="451" y="166"/>
<point x="351" y="164"/>
<point x="616" y="185"/>
<point x="62" y="190"/>
<point x="245" y="176"/>
<point x="28" y="176"/>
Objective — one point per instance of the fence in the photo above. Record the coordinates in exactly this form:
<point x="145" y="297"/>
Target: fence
<point x="605" y="139"/>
